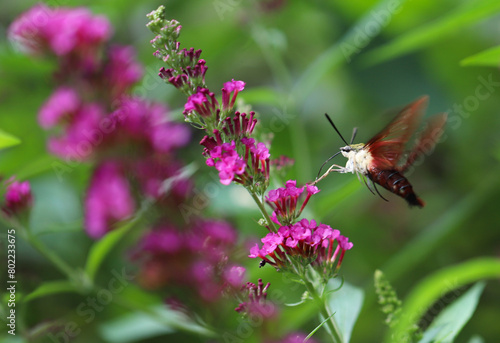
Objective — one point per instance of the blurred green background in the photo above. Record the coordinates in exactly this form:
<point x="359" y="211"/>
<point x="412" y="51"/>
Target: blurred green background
<point x="292" y="55"/>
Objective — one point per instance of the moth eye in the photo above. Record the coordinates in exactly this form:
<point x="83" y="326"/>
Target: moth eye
<point x="345" y="149"/>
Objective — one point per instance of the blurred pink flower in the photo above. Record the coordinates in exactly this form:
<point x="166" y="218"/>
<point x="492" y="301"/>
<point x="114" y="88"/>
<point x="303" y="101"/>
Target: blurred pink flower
<point x="59" y="30"/>
<point x="108" y="199"/>
<point x="18" y="197"/>
<point x="62" y="105"/>
<point x="148" y="124"/>
<point x="82" y="135"/>
<point x="256" y="302"/>
<point x="121" y="70"/>
<point x="196" y="258"/>
<point x="153" y="174"/>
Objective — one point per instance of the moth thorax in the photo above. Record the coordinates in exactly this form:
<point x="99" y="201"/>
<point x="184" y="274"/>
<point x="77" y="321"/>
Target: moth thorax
<point x="358" y="160"/>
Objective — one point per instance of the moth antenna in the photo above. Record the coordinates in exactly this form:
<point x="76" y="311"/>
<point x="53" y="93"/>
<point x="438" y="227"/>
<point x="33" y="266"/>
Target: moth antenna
<point x="354" y="132"/>
<point x="328" y="160"/>
<point x="338" y="132"/>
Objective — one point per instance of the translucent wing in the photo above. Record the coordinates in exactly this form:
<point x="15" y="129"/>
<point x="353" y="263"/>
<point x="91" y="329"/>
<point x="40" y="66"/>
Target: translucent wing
<point x="427" y="139"/>
<point x="387" y="147"/>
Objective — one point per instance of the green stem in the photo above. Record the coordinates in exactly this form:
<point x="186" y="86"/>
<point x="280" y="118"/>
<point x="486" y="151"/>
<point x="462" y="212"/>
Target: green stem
<point x="324" y="311"/>
<point x="263" y="210"/>
<point x="47" y="253"/>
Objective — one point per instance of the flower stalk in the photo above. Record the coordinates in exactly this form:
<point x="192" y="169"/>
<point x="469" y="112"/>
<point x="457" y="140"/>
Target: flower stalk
<point x="324" y="311"/>
<point x="296" y="245"/>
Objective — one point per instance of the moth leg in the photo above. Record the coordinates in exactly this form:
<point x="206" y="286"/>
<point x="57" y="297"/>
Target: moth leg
<point x="333" y="168"/>
<point x="338" y="169"/>
<point x="368" y="186"/>
<point x="376" y="189"/>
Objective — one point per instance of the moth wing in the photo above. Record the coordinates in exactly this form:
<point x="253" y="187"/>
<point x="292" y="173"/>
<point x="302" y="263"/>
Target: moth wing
<point x="427" y="139"/>
<point x="387" y="147"/>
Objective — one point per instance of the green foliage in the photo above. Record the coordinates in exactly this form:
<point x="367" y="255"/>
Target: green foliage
<point x="7" y="140"/>
<point x="387" y="298"/>
<point x="138" y="326"/>
<point x="488" y="58"/>
<point x="446" y="326"/>
<point x="467" y="14"/>
<point x="435" y="285"/>
<point x="347" y="303"/>
<point x="296" y="69"/>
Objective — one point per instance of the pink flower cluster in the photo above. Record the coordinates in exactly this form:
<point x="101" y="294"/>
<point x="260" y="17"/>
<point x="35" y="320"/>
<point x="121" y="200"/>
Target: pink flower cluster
<point x="257" y="303"/>
<point x="108" y="199"/>
<point x="250" y="166"/>
<point x="63" y="31"/>
<point x="318" y="245"/>
<point x="231" y="87"/>
<point x="197" y="258"/>
<point x="18" y="197"/>
<point x="204" y="103"/>
<point x="284" y="202"/>
<point x="227" y="161"/>
<point x="94" y="117"/>
<point x="195" y="70"/>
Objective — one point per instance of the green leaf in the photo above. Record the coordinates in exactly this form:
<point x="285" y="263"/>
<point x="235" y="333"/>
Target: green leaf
<point x="435" y="285"/>
<point x="430" y="238"/>
<point x="346" y="303"/>
<point x="101" y="248"/>
<point x="425" y="35"/>
<point x="450" y="321"/>
<point x="50" y="288"/>
<point x="7" y="140"/>
<point x="476" y="339"/>
<point x="341" y="52"/>
<point x="488" y="58"/>
<point x="139" y="326"/>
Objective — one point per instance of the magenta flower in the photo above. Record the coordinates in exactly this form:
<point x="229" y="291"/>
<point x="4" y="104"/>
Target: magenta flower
<point x="240" y="125"/>
<point x="227" y="161"/>
<point x="122" y="70"/>
<point x="203" y="102"/>
<point x="259" y="158"/>
<point x="234" y="276"/>
<point x="18" y="197"/>
<point x="282" y="162"/>
<point x="60" y="30"/>
<point x="163" y="240"/>
<point x="284" y="202"/>
<point x="146" y="125"/>
<point x="82" y="134"/>
<point x="152" y="173"/>
<point x="187" y="75"/>
<point x="318" y="245"/>
<point x="257" y="303"/>
<point x="253" y="167"/>
<point x="195" y="258"/>
<point x="62" y="105"/>
<point x="108" y="199"/>
<point x="213" y="239"/>
<point x="231" y="87"/>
